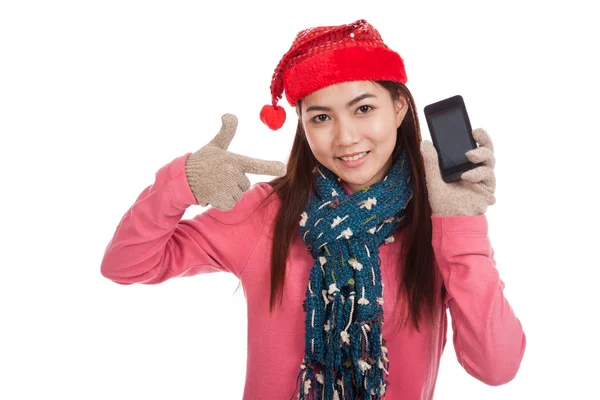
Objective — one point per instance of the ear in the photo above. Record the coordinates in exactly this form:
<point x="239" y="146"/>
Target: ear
<point x="401" y="107"/>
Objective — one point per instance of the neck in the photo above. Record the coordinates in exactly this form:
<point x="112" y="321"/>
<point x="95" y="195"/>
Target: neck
<point x="348" y="188"/>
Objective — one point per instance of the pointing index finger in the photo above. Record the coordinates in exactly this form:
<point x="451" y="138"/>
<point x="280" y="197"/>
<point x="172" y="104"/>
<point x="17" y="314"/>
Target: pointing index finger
<point x="257" y="166"/>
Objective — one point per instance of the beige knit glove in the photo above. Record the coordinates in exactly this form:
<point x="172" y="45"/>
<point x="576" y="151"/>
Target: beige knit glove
<point x="217" y="177"/>
<point x="470" y="195"/>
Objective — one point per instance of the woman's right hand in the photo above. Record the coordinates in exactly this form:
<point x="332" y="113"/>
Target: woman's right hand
<point x="217" y="176"/>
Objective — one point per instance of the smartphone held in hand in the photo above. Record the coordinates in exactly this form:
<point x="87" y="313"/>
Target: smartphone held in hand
<point x="452" y="136"/>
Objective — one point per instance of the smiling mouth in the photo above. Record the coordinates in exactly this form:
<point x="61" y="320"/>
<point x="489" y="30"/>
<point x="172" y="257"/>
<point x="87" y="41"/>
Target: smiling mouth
<point x="355" y="157"/>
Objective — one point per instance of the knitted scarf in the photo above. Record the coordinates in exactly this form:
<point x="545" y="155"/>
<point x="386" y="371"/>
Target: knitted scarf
<point x="345" y="353"/>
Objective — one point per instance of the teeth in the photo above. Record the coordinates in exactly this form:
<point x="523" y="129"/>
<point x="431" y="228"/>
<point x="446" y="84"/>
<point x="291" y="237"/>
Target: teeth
<point x="356" y="157"/>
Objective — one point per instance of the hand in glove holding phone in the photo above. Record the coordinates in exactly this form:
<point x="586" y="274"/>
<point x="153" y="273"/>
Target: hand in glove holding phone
<point x="217" y="176"/>
<point x="470" y="195"/>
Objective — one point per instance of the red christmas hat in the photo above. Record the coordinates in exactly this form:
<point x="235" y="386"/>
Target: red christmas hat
<point x="326" y="55"/>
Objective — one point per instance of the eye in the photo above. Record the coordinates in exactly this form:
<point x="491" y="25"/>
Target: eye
<point x="318" y="118"/>
<point x="365" y="109"/>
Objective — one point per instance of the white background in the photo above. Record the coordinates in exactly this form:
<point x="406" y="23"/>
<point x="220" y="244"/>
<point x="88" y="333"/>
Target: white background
<point x="96" y="96"/>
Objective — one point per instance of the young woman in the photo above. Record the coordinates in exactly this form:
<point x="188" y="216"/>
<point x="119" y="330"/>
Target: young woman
<point x="350" y="258"/>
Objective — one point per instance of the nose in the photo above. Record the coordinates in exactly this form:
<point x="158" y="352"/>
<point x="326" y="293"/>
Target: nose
<point x="347" y="133"/>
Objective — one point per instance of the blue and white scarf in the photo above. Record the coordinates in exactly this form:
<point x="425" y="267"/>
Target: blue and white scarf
<point x="345" y="353"/>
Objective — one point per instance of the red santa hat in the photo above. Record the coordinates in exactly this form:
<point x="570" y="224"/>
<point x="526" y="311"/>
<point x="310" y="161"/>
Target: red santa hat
<point x="326" y="55"/>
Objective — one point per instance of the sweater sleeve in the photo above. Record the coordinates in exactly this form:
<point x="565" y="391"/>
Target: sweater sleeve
<point x="152" y="243"/>
<point x="488" y="338"/>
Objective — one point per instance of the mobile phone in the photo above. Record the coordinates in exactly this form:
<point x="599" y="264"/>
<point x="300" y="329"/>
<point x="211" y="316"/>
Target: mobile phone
<point x="452" y="136"/>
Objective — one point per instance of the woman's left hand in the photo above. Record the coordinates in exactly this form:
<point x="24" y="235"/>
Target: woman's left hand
<point x="474" y="192"/>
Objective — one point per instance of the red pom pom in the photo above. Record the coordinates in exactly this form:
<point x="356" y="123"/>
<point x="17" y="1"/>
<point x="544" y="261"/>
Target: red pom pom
<point x="272" y="116"/>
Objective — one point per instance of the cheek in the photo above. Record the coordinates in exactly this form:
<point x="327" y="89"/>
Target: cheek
<point x="382" y="131"/>
<point x="319" y="143"/>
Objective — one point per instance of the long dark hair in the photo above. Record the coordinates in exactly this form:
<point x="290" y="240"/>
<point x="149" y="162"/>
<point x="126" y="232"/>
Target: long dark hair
<point x="417" y="279"/>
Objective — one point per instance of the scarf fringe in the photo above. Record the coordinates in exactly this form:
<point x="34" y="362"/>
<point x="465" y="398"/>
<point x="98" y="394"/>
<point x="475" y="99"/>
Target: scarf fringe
<point x="360" y="375"/>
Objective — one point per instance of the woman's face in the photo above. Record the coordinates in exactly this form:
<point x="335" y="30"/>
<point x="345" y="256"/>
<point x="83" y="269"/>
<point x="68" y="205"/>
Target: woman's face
<point x="346" y="120"/>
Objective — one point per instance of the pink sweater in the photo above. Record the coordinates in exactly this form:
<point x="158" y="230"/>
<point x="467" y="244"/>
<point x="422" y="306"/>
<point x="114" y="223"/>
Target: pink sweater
<point x="152" y="244"/>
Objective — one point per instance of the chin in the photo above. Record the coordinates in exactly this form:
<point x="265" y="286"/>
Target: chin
<point x="362" y="178"/>
<point x="358" y="179"/>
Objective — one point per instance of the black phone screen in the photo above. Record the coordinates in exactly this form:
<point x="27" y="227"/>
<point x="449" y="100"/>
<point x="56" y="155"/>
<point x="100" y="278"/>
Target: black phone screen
<point x="452" y="136"/>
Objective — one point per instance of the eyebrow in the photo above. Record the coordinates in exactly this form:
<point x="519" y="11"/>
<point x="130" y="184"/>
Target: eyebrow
<point x="350" y="104"/>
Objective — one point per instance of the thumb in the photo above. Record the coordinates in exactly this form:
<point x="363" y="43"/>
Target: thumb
<point x="430" y="158"/>
<point x="229" y="124"/>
